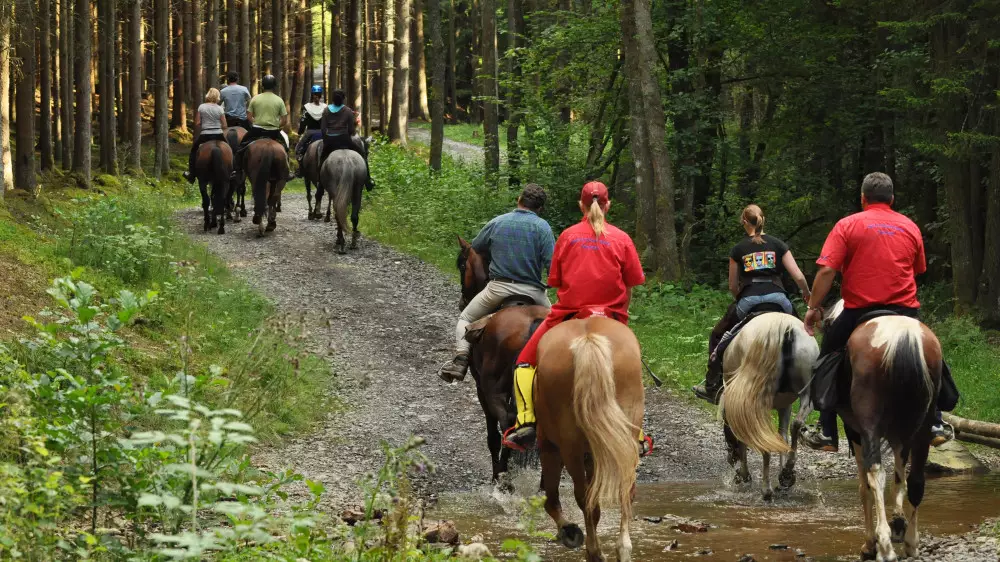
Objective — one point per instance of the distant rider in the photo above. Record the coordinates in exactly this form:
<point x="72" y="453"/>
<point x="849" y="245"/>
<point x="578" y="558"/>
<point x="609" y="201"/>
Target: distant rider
<point x="269" y="115"/>
<point x="234" y="100"/>
<point x="520" y="247"/>
<point x="594" y="267"/>
<point x="309" y="125"/>
<point x="209" y="124"/>
<point x="755" y="267"/>
<point x="339" y="125"/>
<point x="878" y="253"/>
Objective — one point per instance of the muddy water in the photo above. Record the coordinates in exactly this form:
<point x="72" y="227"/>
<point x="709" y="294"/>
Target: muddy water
<point x="821" y="519"/>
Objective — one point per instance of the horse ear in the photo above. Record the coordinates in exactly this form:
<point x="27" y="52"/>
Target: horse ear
<point x="474" y="332"/>
<point x="463" y="243"/>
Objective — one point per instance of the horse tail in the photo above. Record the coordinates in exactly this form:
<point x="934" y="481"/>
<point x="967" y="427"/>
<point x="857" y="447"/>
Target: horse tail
<point x="220" y="180"/>
<point x="260" y="181"/>
<point x="345" y="184"/>
<point x="749" y="396"/>
<point x="612" y="437"/>
<point x="910" y="387"/>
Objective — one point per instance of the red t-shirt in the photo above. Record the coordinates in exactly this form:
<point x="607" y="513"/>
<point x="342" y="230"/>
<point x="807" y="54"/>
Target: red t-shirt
<point x="592" y="272"/>
<point x="878" y="252"/>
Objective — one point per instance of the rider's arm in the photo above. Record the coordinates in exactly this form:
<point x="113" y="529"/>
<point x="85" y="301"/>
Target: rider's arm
<point x="224" y="124"/>
<point x="821" y="287"/>
<point x="197" y="123"/>
<point x="734" y="278"/>
<point x="792" y="267"/>
<point x="481" y="243"/>
<point x="302" y="122"/>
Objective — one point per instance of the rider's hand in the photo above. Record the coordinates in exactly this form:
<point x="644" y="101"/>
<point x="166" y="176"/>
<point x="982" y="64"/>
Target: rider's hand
<point x="812" y="319"/>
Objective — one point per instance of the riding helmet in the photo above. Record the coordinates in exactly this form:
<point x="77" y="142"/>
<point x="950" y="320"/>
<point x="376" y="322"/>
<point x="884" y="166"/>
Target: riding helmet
<point x="269" y="82"/>
<point x="317" y="89"/>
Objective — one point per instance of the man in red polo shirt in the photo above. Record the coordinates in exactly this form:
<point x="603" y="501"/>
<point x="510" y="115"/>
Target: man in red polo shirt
<point x="878" y="252"/>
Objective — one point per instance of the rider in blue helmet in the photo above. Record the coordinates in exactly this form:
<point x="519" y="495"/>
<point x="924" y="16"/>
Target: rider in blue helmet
<point x="309" y="124"/>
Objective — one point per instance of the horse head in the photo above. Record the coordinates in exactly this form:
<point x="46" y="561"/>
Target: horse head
<point x="473" y="272"/>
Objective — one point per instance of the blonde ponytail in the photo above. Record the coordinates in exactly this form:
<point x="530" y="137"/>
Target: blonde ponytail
<point x="753" y="216"/>
<point x="595" y="216"/>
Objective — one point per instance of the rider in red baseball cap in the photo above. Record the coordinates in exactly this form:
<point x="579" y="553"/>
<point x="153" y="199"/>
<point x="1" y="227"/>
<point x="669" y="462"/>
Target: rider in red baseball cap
<point x="594" y="267"/>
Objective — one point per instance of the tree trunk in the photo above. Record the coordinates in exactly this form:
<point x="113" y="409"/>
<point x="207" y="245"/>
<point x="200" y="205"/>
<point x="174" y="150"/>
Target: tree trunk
<point x="212" y="46"/>
<point x="452" y="77"/>
<point x="401" y="57"/>
<point x="134" y="118"/>
<point x="353" y="49"/>
<point x="54" y="72"/>
<point x="44" y="63"/>
<point x="106" y="57"/>
<point x="24" y="127"/>
<point x="322" y="43"/>
<point x="284" y="81"/>
<point x="161" y="39"/>
<point x="197" y="68"/>
<point x="418" y="69"/>
<point x="256" y="54"/>
<point x="515" y="38"/>
<point x="438" y="62"/>
<point x="310" y="74"/>
<point x="180" y="78"/>
<point x="336" y="48"/>
<point x="6" y="168"/>
<point x="989" y="296"/>
<point x="66" y="79"/>
<point x="231" y="58"/>
<point x="388" y="63"/>
<point x="244" y="33"/>
<point x="84" y="111"/>
<point x="366" y="91"/>
<point x="488" y="88"/>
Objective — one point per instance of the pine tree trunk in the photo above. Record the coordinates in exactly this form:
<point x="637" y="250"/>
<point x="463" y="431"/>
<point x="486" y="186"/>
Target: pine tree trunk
<point x="134" y="118"/>
<point x="310" y="74"/>
<point x="44" y="62"/>
<point x="989" y="296"/>
<point x="277" y="56"/>
<point x="299" y="86"/>
<point x="106" y="58"/>
<point x="336" y="48"/>
<point x="84" y="111"/>
<point x="287" y="69"/>
<point x="55" y="73"/>
<point x="197" y="67"/>
<point x="245" y="41"/>
<point x="6" y="166"/>
<point x="401" y="85"/>
<point x="66" y="80"/>
<point x="256" y="53"/>
<point x="488" y="73"/>
<point x="180" y="77"/>
<point x="515" y="38"/>
<point x="161" y="38"/>
<point x="366" y="90"/>
<point x="452" y="77"/>
<point x="388" y="62"/>
<point x="438" y="63"/>
<point x="232" y="56"/>
<point x="420" y="108"/>
<point x="24" y="127"/>
<point x="212" y="46"/>
<point x="354" y="56"/>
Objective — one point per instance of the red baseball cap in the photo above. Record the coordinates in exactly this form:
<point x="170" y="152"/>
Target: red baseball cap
<point x="594" y="190"/>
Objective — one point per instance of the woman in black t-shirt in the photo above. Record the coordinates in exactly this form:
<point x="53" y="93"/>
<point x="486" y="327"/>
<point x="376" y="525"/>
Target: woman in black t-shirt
<point x="755" y="267"/>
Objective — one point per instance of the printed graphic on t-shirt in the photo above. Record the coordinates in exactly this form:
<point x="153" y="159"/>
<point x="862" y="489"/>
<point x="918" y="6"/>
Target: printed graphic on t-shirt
<point x="758" y="260"/>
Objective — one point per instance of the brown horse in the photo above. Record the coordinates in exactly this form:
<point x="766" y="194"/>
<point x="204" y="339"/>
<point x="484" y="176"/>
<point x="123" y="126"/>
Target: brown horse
<point x="267" y="167"/>
<point x="238" y="187"/>
<point x="589" y="401"/>
<point x="496" y="341"/>
<point x="212" y="165"/>
<point x="896" y="375"/>
<point x="310" y="175"/>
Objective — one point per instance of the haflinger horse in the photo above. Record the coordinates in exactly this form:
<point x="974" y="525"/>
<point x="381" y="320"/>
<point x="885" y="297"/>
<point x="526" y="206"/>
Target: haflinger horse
<point x="343" y="175"/>
<point x="496" y="342"/>
<point x="267" y="167"/>
<point x="896" y="366"/>
<point x="589" y="402"/>
<point x="310" y="176"/>
<point x="238" y="187"/>
<point x="212" y="165"/>
<point x="767" y="366"/>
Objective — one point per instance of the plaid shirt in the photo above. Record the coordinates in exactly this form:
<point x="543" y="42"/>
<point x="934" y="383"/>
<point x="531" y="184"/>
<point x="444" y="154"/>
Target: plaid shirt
<point x="520" y="245"/>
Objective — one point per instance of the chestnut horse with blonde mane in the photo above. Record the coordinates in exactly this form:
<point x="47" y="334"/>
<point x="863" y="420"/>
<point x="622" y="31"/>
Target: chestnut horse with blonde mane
<point x="589" y="401"/>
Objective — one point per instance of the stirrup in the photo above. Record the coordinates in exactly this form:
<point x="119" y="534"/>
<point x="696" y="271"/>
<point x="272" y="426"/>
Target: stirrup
<point x="506" y="442"/>
<point x="646" y="446"/>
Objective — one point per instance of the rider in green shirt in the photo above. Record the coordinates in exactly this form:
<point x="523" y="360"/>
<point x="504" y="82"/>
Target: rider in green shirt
<point x="269" y="115"/>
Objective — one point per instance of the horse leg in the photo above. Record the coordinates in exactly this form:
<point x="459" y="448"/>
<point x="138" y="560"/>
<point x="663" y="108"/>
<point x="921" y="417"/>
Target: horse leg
<point x="494" y="442"/>
<point x="272" y="210"/>
<point x="582" y="472"/>
<point x="329" y="208"/>
<point x="915" y="493"/>
<point x="569" y="535"/>
<point x="624" y="539"/>
<point x="736" y="453"/>
<point x="355" y="217"/>
<point x="787" y="477"/>
<point x="868" y="550"/>
<point x="206" y="204"/>
<point x="870" y="445"/>
<point x="241" y="183"/>
<point x="309" y="197"/>
<point x="898" y="525"/>
<point x="765" y="479"/>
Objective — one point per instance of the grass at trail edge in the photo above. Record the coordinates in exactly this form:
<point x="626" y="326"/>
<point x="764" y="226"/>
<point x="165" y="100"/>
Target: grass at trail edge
<point x="423" y="214"/>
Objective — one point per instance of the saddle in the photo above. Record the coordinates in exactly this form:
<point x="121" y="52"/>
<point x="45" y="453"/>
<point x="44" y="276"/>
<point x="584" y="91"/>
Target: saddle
<point x="784" y="385"/>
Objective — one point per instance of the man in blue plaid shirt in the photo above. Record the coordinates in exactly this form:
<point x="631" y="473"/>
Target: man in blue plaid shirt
<point x="520" y="246"/>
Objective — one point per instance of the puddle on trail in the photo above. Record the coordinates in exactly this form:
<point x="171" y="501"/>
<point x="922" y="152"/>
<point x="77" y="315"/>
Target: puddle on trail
<point x="823" y="518"/>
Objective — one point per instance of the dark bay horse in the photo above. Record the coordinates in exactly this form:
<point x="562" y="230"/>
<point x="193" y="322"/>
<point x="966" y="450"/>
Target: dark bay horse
<point x="238" y="187"/>
<point x="767" y="366"/>
<point x="343" y="175"/>
<point x="589" y="401"/>
<point x="496" y="341"/>
<point x="212" y="166"/>
<point x="310" y="175"/>
<point x="267" y="167"/>
<point x="896" y="369"/>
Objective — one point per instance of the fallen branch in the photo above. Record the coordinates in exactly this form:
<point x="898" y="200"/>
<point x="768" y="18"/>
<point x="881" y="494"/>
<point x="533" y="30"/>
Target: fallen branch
<point x="963" y="425"/>
<point x="978" y="439"/>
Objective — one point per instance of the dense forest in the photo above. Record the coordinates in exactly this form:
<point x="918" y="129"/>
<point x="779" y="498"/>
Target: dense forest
<point x="687" y="109"/>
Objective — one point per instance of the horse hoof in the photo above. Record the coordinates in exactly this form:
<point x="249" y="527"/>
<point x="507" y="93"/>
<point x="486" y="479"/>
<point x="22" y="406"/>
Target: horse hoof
<point x="898" y="528"/>
<point x="571" y="536"/>
<point x="869" y="554"/>
<point x="741" y="478"/>
<point x="271" y="226"/>
<point x="786" y="480"/>
<point x="243" y="212"/>
<point x="768" y="496"/>
<point x="255" y="219"/>
<point x="326" y="219"/>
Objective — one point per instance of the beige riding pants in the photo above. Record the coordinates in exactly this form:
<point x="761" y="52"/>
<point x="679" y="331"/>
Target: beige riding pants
<point x="489" y="300"/>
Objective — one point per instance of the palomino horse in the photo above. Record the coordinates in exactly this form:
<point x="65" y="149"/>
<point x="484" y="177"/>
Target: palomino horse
<point x="267" y="168"/>
<point x="238" y="187"/>
<point x="768" y="366"/>
<point x="310" y="175"/>
<point x="496" y="341"/>
<point x="896" y="375"/>
<point x="589" y="402"/>
<point x="343" y="175"/>
<point x="212" y="165"/>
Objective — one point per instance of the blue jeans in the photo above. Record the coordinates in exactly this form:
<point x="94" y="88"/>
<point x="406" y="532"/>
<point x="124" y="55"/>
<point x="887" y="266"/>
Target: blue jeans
<point x="746" y="304"/>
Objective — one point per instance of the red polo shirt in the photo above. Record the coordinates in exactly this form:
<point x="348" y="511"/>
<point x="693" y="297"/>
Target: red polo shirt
<point x="878" y="252"/>
<point x="594" y="272"/>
